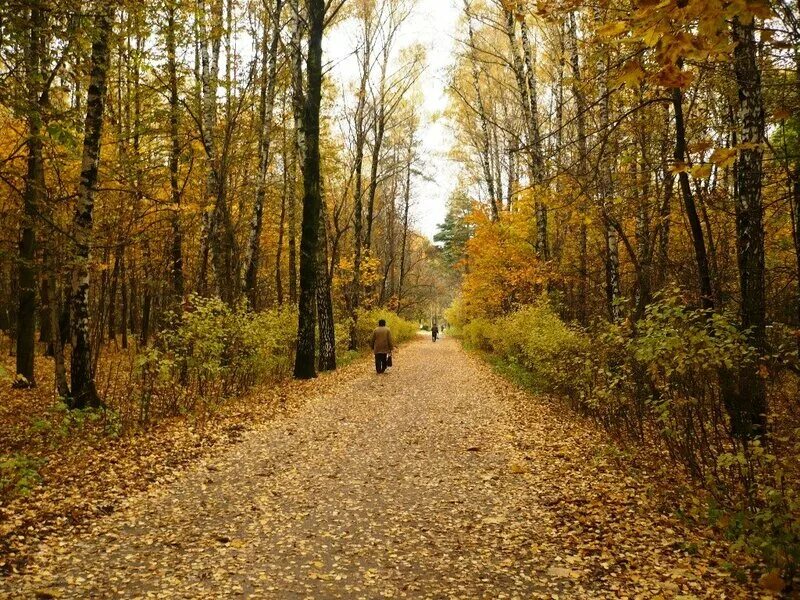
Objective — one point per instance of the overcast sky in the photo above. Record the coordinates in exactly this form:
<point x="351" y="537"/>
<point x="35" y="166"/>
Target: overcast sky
<point x="433" y="24"/>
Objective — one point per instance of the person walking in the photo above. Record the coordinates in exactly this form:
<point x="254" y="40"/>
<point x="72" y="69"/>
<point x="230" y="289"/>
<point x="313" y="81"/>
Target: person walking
<point x="435" y="332"/>
<point x="382" y="345"/>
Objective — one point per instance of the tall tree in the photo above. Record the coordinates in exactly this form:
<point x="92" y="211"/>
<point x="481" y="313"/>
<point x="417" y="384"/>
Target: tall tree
<point x="32" y="196"/>
<point x="176" y="249"/>
<point x="485" y="140"/>
<point x="304" y="367"/>
<point x="582" y="168"/>
<point x="360" y="134"/>
<point x="750" y="409"/>
<point x="269" y="68"/>
<point x="84" y="392"/>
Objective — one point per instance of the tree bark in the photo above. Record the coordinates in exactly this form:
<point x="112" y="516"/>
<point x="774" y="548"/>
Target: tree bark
<point x="605" y="183"/>
<point x="327" y="333"/>
<point x="304" y="367"/>
<point x="665" y="210"/>
<point x="298" y="103"/>
<point x="583" y="170"/>
<point x="209" y="65"/>
<point x="112" y="296"/>
<point x="125" y="303"/>
<point x="269" y="66"/>
<point x="698" y="239"/>
<point x="281" y="228"/>
<point x="404" y="237"/>
<point x="84" y="392"/>
<point x="485" y="150"/>
<point x="176" y="247"/>
<point x="53" y="310"/>
<point x="380" y="129"/>
<point x="358" y="192"/>
<point x="749" y="410"/>
<point x="31" y="202"/>
<point x="542" y="245"/>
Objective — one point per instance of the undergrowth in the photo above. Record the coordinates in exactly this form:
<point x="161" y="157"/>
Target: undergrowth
<point x="656" y="386"/>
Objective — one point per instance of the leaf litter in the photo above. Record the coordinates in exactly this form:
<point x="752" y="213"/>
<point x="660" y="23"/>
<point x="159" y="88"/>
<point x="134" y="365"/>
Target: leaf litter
<point x="438" y="480"/>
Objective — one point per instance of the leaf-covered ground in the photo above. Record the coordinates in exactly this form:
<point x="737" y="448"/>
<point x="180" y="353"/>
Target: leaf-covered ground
<point x="424" y="483"/>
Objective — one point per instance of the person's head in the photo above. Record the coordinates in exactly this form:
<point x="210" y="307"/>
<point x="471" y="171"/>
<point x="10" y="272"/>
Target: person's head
<point x="382" y="323"/>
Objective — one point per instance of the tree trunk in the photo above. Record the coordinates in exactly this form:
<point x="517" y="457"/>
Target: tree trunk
<point x="664" y="211"/>
<point x="125" y="303"/>
<point x="112" y="296"/>
<point x="358" y="208"/>
<point x="147" y="302"/>
<point x="380" y="129"/>
<point x="404" y="238"/>
<point x="749" y="411"/>
<point x="53" y="314"/>
<point x="327" y="334"/>
<point x="209" y="67"/>
<point x="698" y="239"/>
<point x="31" y="201"/>
<point x="605" y="183"/>
<point x="269" y="66"/>
<point x="583" y="170"/>
<point x="542" y="245"/>
<point x="485" y="150"/>
<point x="176" y="248"/>
<point x="84" y="392"/>
<point x="298" y="103"/>
<point x="45" y="332"/>
<point x="281" y="231"/>
<point x="304" y="367"/>
<point x="794" y="208"/>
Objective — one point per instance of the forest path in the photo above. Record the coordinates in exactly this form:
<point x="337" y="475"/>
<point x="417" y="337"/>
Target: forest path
<point x="423" y="483"/>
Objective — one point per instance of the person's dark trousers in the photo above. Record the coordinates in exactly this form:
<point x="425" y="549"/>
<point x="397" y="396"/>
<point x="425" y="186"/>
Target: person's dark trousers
<point x="380" y="362"/>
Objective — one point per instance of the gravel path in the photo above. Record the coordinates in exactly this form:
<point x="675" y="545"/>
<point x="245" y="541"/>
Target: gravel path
<point x="422" y="483"/>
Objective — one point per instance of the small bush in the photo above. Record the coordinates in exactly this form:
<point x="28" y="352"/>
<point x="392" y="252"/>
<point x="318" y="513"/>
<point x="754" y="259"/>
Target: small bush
<point x="402" y="330"/>
<point x="19" y="474"/>
<point x="661" y="382"/>
<point x="211" y="352"/>
<point x="537" y="339"/>
<point x="479" y="334"/>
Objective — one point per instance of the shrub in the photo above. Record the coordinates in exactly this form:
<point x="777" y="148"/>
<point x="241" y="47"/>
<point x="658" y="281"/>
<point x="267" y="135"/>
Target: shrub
<point x="402" y="330"/>
<point x="537" y="339"/>
<point x="479" y="334"/>
<point x="455" y="316"/>
<point x="662" y="382"/>
<point x="213" y="351"/>
<point x="19" y="474"/>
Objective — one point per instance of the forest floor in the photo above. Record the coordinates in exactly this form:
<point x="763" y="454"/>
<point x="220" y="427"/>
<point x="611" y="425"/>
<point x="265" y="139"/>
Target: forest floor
<point x="439" y="479"/>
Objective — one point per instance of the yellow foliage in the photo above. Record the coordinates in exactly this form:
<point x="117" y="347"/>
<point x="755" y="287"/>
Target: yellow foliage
<point x="503" y="270"/>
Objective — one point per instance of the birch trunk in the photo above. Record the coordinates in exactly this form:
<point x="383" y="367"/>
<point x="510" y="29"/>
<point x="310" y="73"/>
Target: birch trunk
<point x="84" y="392"/>
<point x="748" y="411"/>
<point x="542" y="245"/>
<point x="269" y="65"/>
<point x="358" y="192"/>
<point x="583" y="169"/>
<point x="485" y="150"/>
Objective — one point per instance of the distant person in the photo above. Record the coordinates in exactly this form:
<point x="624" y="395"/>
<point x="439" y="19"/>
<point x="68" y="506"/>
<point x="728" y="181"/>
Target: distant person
<point x="435" y="332"/>
<point x="382" y="346"/>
